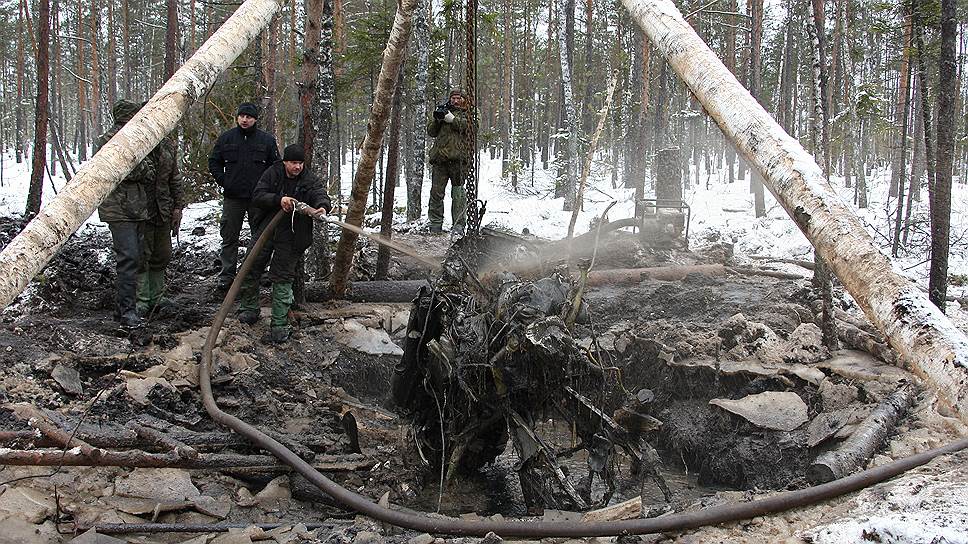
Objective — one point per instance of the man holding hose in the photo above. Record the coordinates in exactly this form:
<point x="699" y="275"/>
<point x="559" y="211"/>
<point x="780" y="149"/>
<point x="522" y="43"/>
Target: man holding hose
<point x="281" y="186"/>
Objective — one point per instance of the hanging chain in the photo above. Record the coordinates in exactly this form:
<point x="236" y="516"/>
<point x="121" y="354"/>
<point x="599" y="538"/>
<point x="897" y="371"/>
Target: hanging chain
<point x="470" y="180"/>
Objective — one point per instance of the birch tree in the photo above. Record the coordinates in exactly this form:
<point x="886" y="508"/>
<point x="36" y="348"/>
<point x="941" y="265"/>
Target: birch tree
<point x="33" y="248"/>
<point x="925" y="338"/>
<point x="392" y="59"/>
<point x="567" y="172"/>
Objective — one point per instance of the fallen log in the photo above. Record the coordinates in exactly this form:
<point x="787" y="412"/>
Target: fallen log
<point x="858" y="339"/>
<point x="926" y="340"/>
<point x="809" y="265"/>
<point x="368" y="291"/>
<point x="140" y="459"/>
<point x="870" y="435"/>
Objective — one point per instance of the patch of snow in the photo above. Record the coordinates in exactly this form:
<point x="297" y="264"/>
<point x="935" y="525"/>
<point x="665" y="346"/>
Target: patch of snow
<point x="916" y="509"/>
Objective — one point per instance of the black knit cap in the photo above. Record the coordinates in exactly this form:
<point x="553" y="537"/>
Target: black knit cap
<point x="248" y="108"/>
<point x="293" y="153"/>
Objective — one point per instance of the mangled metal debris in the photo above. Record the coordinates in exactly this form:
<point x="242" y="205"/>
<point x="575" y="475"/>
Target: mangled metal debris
<point x="490" y="358"/>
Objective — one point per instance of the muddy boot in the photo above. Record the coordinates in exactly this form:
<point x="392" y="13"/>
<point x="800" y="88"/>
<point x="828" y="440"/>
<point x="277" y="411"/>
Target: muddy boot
<point x="280" y="335"/>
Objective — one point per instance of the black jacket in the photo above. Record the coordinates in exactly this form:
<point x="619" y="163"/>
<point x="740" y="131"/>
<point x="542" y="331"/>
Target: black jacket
<point x="239" y="158"/>
<point x="298" y="230"/>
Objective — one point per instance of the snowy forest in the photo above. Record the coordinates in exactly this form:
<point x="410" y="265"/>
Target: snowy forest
<point x="879" y="63"/>
<point x="702" y="273"/>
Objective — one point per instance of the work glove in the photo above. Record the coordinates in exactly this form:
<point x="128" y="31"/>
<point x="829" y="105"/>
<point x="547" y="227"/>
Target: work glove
<point x="449" y="118"/>
<point x="176" y="217"/>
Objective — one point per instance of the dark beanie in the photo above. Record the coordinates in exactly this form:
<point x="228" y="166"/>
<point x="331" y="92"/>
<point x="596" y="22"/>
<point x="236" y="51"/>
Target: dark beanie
<point x="293" y="153"/>
<point x="248" y="108"/>
<point x="458" y="92"/>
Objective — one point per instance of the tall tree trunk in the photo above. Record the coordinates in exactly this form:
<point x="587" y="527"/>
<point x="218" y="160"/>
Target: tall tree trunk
<point x="316" y="96"/>
<point x="756" y="71"/>
<point x="270" y="44"/>
<point x="730" y="63"/>
<point x="171" y="37"/>
<point x="82" y="105"/>
<point x="390" y="184"/>
<point x="507" y="150"/>
<point x="126" y="46"/>
<point x="418" y="103"/>
<point x="96" y="121"/>
<point x="900" y="162"/>
<point x="392" y="59"/>
<point x="901" y="107"/>
<point x="19" y="137"/>
<point x="923" y="336"/>
<point x="567" y="174"/>
<point x="33" y="248"/>
<point x="112" y="56"/>
<point x="41" y="112"/>
<point x="941" y="195"/>
<point x="822" y="280"/>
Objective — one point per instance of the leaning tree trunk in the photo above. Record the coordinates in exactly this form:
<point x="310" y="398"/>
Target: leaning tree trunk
<point x="392" y="59"/>
<point x="40" y="121"/>
<point x="923" y="336"/>
<point x="31" y="250"/>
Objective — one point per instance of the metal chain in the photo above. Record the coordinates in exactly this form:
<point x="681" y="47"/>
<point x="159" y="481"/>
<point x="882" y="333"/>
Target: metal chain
<point x="470" y="179"/>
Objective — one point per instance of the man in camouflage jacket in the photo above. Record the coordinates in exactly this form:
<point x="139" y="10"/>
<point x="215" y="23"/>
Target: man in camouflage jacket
<point x="165" y="199"/>
<point x="125" y="211"/>
<point x="450" y="159"/>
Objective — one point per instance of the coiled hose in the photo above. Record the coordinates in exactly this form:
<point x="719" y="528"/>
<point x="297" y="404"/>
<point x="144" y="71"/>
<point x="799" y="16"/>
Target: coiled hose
<point x="564" y="529"/>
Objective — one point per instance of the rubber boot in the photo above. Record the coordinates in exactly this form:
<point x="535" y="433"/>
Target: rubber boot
<point x="144" y="302"/>
<point x="281" y="302"/>
<point x="249" y="301"/>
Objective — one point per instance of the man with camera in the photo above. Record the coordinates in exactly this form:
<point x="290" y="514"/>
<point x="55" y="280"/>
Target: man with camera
<point x="450" y="159"/>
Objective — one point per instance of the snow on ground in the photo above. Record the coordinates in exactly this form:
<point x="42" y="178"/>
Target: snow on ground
<point x="915" y="509"/>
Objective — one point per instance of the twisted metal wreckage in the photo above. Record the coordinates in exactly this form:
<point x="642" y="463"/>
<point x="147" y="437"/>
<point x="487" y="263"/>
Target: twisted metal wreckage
<point x="527" y="331"/>
<point x="488" y="356"/>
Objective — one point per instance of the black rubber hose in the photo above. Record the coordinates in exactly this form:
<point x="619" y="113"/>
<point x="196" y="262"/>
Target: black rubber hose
<point x="564" y="529"/>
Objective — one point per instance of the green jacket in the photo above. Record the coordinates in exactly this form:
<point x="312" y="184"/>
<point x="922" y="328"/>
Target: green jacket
<point x="128" y="201"/>
<point x="450" y="142"/>
<point x="166" y="193"/>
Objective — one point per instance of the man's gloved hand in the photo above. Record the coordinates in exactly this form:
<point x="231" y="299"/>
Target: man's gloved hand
<point x="176" y="217"/>
<point x="449" y="118"/>
<point x="441" y="112"/>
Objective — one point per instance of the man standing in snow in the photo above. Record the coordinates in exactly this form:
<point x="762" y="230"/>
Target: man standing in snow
<point x="125" y="211"/>
<point x="166" y="198"/>
<point x="450" y="160"/>
<point x="282" y="185"/>
<point x="240" y="156"/>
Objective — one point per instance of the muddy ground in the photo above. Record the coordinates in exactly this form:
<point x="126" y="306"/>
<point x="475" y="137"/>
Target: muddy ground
<point x="675" y="344"/>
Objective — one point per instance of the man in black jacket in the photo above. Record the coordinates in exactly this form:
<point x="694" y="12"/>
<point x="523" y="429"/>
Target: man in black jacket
<point x="282" y="185"/>
<point x="239" y="158"/>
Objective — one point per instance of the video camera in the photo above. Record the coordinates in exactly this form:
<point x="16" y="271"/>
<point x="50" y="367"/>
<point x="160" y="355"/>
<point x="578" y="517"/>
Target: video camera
<point x="442" y="111"/>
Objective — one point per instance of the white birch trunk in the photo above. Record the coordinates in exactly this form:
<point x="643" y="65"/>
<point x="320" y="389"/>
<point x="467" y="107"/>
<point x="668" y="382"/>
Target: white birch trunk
<point x="571" y="116"/>
<point x="33" y="248"/>
<point x="924" y="337"/>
